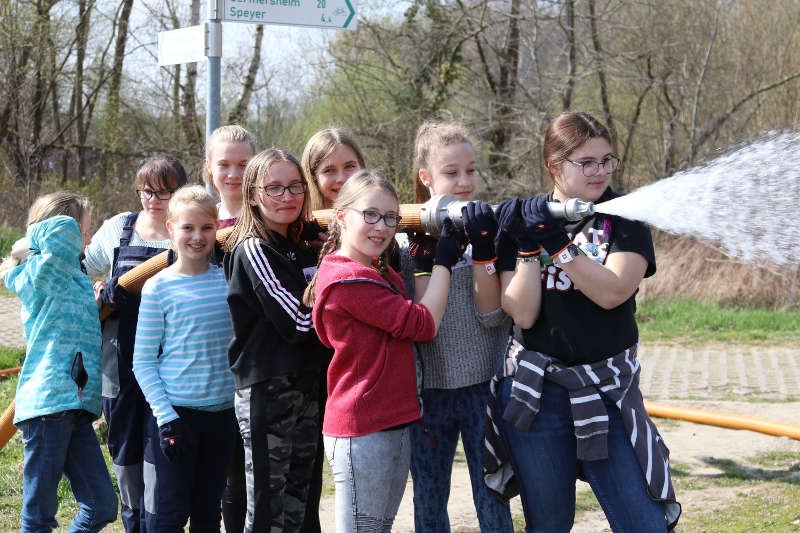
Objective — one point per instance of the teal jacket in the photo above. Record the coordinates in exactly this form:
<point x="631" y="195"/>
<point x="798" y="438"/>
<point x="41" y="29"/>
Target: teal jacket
<point x="60" y="319"/>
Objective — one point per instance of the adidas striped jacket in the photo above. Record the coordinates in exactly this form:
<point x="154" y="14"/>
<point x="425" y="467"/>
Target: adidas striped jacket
<point x="273" y="333"/>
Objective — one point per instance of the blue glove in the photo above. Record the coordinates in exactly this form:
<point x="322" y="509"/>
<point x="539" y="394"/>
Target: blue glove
<point x="481" y="227"/>
<point x="117" y="297"/>
<point x="176" y="440"/>
<point x="546" y="229"/>
<point x="451" y="245"/>
<point x="512" y="224"/>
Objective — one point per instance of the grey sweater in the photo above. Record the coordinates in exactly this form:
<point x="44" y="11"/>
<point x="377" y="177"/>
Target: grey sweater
<point x="470" y="345"/>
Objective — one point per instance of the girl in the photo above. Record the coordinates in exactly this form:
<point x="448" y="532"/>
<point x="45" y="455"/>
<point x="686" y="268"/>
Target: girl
<point x="120" y="244"/>
<point x="275" y="356"/>
<point x="362" y="312"/>
<point x="456" y="367"/>
<point x="330" y="157"/>
<point x="180" y="363"/>
<point x="58" y="394"/>
<point x="573" y="337"/>
<point x="227" y="151"/>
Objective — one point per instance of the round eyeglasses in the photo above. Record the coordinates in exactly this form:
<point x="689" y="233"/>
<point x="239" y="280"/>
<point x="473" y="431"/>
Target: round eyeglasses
<point x="298" y="187"/>
<point x="373" y="217"/>
<point x="590" y="168"/>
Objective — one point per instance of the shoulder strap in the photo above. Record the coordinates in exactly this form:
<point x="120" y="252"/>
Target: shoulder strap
<point x="127" y="229"/>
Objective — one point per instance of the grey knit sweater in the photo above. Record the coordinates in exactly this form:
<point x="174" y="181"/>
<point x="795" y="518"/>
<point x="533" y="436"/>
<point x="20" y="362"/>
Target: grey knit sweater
<point x="470" y="345"/>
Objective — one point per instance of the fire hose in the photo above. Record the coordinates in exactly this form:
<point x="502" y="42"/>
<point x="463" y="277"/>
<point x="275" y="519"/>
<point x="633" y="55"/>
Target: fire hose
<point x="429" y="217"/>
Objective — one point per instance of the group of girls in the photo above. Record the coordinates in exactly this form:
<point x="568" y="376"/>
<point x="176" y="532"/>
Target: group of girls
<point x="290" y="345"/>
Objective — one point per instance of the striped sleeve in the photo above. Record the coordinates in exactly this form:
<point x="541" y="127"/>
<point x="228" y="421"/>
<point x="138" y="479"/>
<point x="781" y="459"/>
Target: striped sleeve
<point x="150" y="331"/>
<point x="279" y="293"/>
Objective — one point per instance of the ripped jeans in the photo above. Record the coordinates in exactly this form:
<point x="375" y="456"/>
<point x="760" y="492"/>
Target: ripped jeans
<point x="370" y="474"/>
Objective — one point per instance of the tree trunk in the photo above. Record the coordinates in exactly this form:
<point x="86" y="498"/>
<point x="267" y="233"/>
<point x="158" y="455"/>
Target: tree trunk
<point x="569" y="29"/>
<point x="240" y="109"/>
<point x="191" y="129"/>
<point x="601" y="73"/>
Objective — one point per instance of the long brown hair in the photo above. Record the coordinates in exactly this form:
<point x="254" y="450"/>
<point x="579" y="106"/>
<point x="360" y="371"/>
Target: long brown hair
<point x="350" y="192"/>
<point x="321" y="145"/>
<point x="250" y="223"/>
<point x="567" y="132"/>
<point x="430" y="137"/>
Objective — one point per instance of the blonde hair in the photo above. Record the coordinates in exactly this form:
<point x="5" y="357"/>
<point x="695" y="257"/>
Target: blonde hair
<point x="232" y="133"/>
<point x="321" y="145"/>
<point x="50" y="205"/>
<point x="351" y="191"/>
<point x="193" y="195"/>
<point x="250" y="223"/>
<point x="430" y="137"/>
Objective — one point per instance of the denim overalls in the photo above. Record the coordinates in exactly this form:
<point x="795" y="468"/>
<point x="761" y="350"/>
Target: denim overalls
<point x="124" y="406"/>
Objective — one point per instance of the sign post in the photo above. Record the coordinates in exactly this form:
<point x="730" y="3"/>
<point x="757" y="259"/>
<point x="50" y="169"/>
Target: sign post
<point x="185" y="45"/>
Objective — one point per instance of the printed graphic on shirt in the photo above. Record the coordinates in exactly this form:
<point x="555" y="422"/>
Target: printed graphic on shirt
<point x="309" y="272"/>
<point x="595" y="245"/>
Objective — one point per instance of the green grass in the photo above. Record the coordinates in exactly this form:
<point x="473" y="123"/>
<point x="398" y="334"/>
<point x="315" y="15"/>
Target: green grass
<point x="8" y="236"/>
<point x="698" y="322"/>
<point x="11" y="357"/>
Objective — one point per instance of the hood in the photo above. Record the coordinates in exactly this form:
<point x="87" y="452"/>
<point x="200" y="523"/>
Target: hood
<point x="58" y="235"/>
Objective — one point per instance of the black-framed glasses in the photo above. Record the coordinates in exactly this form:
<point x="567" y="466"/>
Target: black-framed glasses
<point x="161" y="195"/>
<point x="297" y="187"/>
<point x="373" y="217"/>
<point x="590" y="168"/>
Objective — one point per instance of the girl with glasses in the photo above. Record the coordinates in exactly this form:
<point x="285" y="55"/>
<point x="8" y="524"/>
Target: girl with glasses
<point x="569" y="403"/>
<point x="275" y="355"/>
<point x="121" y="243"/>
<point x="362" y="312"/>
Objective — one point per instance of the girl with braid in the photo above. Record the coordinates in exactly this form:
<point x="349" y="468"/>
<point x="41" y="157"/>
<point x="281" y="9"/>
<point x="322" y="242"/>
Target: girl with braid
<point x="361" y="311"/>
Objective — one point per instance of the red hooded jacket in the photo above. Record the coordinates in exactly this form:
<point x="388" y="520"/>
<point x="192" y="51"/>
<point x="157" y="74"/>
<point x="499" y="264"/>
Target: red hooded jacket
<point x="371" y="327"/>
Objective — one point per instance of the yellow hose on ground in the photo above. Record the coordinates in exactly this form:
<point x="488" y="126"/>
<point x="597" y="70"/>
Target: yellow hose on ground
<point x="699" y="416"/>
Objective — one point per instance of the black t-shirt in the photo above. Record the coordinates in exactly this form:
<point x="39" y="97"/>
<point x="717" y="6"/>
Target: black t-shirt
<point x="571" y="327"/>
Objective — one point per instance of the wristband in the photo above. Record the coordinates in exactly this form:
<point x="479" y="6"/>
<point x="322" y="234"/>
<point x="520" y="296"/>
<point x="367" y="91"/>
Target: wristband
<point x="569" y="253"/>
<point x="528" y="259"/>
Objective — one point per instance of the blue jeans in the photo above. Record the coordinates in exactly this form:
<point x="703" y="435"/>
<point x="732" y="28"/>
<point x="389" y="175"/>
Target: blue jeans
<point x="369" y="474"/>
<point x="191" y="486"/>
<point x="449" y="413"/>
<point x="64" y="443"/>
<point x="545" y="464"/>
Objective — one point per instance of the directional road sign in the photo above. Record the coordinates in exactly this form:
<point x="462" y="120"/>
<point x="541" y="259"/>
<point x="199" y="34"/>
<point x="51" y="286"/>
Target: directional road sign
<point x="339" y="14"/>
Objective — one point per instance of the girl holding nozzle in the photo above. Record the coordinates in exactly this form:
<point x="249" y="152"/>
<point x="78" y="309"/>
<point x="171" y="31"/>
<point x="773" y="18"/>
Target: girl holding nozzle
<point x="569" y="403"/>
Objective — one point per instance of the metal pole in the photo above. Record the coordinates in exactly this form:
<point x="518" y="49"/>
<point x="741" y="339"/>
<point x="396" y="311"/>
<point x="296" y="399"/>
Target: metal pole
<point x="214" y="54"/>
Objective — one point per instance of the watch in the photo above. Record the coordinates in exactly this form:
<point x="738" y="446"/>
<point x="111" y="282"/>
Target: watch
<point x="568" y="254"/>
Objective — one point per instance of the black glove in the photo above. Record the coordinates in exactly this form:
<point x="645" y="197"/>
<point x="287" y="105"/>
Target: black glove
<point x="510" y="219"/>
<point x="506" y="253"/>
<point x="117" y="297"/>
<point x="310" y="230"/>
<point x="481" y="227"/>
<point x="451" y="245"/>
<point x="422" y="248"/>
<point x="176" y="439"/>
<point x="547" y="230"/>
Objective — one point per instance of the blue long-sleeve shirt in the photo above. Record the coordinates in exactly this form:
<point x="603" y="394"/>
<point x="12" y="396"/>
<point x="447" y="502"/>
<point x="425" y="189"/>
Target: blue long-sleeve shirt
<point x="188" y="317"/>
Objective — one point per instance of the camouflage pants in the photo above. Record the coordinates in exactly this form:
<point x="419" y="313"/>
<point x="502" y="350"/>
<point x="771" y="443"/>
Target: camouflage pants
<point x="279" y="423"/>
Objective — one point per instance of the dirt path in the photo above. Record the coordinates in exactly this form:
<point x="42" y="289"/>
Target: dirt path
<point x="691" y="446"/>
